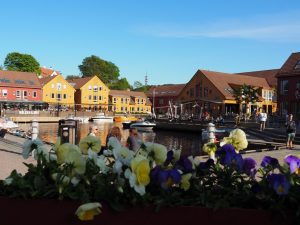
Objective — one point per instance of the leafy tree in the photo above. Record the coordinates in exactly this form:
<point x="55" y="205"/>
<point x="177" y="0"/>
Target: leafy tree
<point x="246" y="94"/>
<point x="21" y="62"/>
<point x="1" y="67"/>
<point x="121" y="84"/>
<point x="106" y="71"/>
<point x="137" y="85"/>
<point x="70" y="77"/>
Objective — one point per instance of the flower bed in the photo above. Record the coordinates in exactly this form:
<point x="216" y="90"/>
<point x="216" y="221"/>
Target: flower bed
<point x="181" y="188"/>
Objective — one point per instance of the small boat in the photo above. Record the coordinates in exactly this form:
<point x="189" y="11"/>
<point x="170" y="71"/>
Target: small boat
<point x="101" y="117"/>
<point x="126" y="124"/>
<point x="81" y="119"/>
<point x="143" y="125"/>
<point x="125" y="118"/>
<point x="6" y="123"/>
<point x="219" y="135"/>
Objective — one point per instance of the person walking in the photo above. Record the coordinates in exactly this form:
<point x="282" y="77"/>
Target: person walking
<point x="290" y="131"/>
<point x="262" y="119"/>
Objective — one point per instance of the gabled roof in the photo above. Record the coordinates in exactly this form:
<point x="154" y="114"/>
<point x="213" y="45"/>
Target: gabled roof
<point x="19" y="79"/>
<point x="269" y="75"/>
<point x="79" y="82"/>
<point x="121" y="93"/>
<point x="166" y="90"/>
<point x="45" y="72"/>
<point x="224" y="81"/>
<point x="46" y="80"/>
<point x="288" y="68"/>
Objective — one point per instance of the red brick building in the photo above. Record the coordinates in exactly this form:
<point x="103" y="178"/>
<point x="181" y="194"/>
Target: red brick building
<point x="161" y="95"/>
<point x="20" y="90"/>
<point x="288" y="92"/>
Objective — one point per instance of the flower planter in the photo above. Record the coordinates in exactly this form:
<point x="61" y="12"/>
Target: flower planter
<point x="52" y="212"/>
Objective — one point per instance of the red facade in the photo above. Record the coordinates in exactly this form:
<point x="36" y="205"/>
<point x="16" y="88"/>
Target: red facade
<point x="20" y="88"/>
<point x="288" y="91"/>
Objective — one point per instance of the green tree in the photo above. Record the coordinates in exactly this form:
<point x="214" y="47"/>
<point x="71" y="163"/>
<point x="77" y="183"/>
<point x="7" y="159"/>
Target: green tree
<point x="121" y="84"/>
<point x="137" y="85"/>
<point x="1" y="67"/>
<point x="21" y="62"/>
<point x="245" y="94"/>
<point x="106" y="71"/>
<point x="70" y="77"/>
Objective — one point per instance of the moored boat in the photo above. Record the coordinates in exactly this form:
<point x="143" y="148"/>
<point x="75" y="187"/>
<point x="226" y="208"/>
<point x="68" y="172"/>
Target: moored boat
<point x="143" y="125"/>
<point x="101" y="117"/>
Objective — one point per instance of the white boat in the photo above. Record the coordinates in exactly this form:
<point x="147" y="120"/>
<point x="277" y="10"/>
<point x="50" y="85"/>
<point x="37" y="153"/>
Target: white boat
<point x="6" y="123"/>
<point x="82" y="119"/>
<point x="144" y="125"/>
<point x="101" y="117"/>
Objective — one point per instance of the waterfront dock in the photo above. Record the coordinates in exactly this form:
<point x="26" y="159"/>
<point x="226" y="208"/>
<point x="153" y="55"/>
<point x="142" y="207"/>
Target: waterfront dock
<point x="46" y="119"/>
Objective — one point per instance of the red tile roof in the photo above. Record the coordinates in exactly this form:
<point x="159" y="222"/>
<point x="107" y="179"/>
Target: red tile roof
<point x="166" y="90"/>
<point x="45" y="72"/>
<point x="19" y="79"/>
<point x="46" y="80"/>
<point x="288" y="68"/>
<point x="270" y="75"/>
<point x="224" y="81"/>
<point x="79" y="82"/>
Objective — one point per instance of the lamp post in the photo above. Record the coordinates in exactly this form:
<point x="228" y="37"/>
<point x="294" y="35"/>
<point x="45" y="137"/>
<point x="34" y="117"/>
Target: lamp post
<point x="153" y="106"/>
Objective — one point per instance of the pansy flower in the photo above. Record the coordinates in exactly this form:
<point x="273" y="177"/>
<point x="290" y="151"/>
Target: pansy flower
<point x="279" y="183"/>
<point x="269" y="161"/>
<point x="249" y="166"/>
<point x="294" y="163"/>
<point x="229" y="157"/>
<point x="88" y="211"/>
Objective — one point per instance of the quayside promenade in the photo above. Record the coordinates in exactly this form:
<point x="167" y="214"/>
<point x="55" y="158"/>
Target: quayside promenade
<point x="11" y="158"/>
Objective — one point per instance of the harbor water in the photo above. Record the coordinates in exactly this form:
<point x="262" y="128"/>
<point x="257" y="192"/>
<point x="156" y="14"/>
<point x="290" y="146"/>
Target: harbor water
<point x="189" y="143"/>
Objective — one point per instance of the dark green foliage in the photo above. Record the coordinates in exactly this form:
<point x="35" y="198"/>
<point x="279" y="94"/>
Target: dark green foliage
<point x="121" y="84"/>
<point x="70" y="77"/>
<point x="21" y="62"/>
<point x="105" y="70"/>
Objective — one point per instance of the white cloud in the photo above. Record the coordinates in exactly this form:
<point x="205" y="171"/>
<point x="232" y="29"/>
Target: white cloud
<point x="284" y="27"/>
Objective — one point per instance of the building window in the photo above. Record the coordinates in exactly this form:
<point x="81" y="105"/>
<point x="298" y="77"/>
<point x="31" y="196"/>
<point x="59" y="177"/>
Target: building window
<point x="58" y="86"/>
<point x="52" y="95"/>
<point x="95" y="89"/>
<point x="205" y="92"/>
<point x="197" y="88"/>
<point x="65" y="86"/>
<point x="270" y="95"/>
<point x="95" y="98"/>
<point x="25" y="94"/>
<point x="114" y="100"/>
<point x="284" y="108"/>
<point x="90" y="87"/>
<point x="4" y="93"/>
<point x="192" y="92"/>
<point x="297" y="65"/>
<point x="100" y="88"/>
<point x="284" y="85"/>
<point x="65" y="96"/>
<point x="121" y="100"/>
<point x="18" y="94"/>
<point x="34" y="94"/>
<point x="122" y="108"/>
<point x="100" y="98"/>
<point x="58" y="96"/>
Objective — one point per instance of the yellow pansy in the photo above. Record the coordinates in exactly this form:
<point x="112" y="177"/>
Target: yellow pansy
<point x="88" y="211"/>
<point x="185" y="181"/>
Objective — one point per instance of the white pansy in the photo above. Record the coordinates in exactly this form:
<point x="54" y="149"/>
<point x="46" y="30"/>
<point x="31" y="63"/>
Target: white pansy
<point x="117" y="167"/>
<point x="99" y="161"/>
<point x="113" y="143"/>
<point x="133" y="182"/>
<point x="8" y="181"/>
<point x="29" y="146"/>
<point x="160" y="153"/>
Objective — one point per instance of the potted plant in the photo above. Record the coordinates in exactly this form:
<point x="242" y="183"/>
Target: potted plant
<point x="150" y="186"/>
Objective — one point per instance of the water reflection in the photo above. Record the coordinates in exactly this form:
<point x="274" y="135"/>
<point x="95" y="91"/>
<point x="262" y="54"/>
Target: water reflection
<point x="189" y="143"/>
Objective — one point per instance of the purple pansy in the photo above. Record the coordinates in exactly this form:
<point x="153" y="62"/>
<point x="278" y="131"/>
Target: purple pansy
<point x="269" y="161"/>
<point x="294" y="163"/>
<point x="170" y="156"/>
<point x="229" y="157"/>
<point x="279" y="183"/>
<point x="249" y="166"/>
<point x="165" y="178"/>
<point x="184" y="164"/>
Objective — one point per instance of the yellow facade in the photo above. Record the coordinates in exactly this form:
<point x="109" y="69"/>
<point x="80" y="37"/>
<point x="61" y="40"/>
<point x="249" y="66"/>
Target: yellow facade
<point x="129" y="102"/>
<point x="94" y="94"/>
<point x="58" y="91"/>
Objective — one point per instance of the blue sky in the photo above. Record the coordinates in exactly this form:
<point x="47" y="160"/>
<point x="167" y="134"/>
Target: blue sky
<point x="166" y="39"/>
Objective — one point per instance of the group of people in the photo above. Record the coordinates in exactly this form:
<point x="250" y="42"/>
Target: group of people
<point x="132" y="142"/>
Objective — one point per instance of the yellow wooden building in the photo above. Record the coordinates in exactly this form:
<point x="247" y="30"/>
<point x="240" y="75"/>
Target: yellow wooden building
<point x="57" y="91"/>
<point x="129" y="102"/>
<point x="91" y="93"/>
